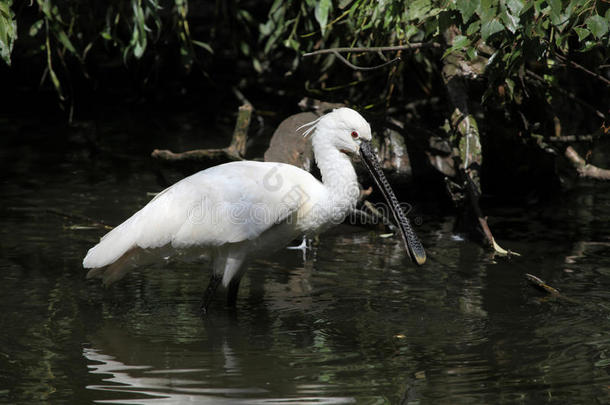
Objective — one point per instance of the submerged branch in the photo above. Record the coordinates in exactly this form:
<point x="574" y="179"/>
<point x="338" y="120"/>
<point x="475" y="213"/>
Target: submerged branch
<point x="540" y="284"/>
<point x="543" y="286"/>
<point x="583" y="168"/>
<point x="91" y="223"/>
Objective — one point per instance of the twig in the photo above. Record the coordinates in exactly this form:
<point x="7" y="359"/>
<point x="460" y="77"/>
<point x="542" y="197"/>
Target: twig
<point x="541" y="285"/>
<point x="583" y="168"/>
<point x="72" y="216"/>
<point x="567" y="94"/>
<point x="364" y="68"/>
<point x="379" y="215"/>
<point x="572" y="138"/>
<point x="416" y="45"/>
<point x="584" y="69"/>
<point x="472" y="195"/>
<point x="197" y="154"/>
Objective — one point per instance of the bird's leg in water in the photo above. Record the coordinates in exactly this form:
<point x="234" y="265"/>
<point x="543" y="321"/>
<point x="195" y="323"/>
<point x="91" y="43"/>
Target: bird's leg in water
<point x="302" y="247"/>
<point x="209" y="292"/>
<point x="232" y="292"/>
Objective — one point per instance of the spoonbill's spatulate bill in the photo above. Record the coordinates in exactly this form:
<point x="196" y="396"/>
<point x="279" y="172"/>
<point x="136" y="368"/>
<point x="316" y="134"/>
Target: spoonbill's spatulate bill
<point x="243" y="210"/>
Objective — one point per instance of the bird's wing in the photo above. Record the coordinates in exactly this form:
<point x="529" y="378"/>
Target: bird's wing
<point x="229" y="203"/>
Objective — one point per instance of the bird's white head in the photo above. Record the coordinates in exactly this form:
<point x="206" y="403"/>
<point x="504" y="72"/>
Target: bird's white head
<point x="343" y="128"/>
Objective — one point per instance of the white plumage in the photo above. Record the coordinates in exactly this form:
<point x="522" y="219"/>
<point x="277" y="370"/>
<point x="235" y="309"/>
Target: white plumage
<point x="238" y="210"/>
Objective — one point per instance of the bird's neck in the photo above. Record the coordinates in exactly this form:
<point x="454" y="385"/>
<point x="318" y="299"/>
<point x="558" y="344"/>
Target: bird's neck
<point x="338" y="174"/>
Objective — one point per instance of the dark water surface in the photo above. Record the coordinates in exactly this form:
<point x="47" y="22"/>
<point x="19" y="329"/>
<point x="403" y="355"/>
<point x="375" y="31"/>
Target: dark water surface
<point x="354" y="322"/>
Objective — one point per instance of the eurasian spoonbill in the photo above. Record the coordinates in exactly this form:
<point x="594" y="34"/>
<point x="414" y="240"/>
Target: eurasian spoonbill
<point x="242" y="210"/>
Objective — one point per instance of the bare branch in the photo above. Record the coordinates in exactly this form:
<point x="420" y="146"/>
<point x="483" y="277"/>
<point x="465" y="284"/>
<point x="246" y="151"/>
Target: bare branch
<point x="416" y="45"/>
<point x="566" y="93"/>
<point x="571" y="138"/>
<point x="584" y="69"/>
<point x="235" y="151"/>
<point x="364" y="68"/>
<point x="583" y="168"/>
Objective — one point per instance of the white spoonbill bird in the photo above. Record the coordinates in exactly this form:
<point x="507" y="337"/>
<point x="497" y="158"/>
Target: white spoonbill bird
<point x="243" y="210"/>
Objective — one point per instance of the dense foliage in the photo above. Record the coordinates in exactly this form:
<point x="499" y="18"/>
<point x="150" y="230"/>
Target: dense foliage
<point x="561" y="48"/>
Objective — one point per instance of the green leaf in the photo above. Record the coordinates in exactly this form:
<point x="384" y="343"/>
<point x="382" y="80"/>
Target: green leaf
<point x="588" y="46"/>
<point x="555" y="6"/>
<point x="203" y="45"/>
<point x="265" y="29"/>
<point x="467" y="8"/>
<point x="510" y="85"/>
<point x="257" y="65"/>
<point x="515" y="6"/>
<point x="510" y="22"/>
<point x="472" y="53"/>
<point x="410" y="31"/>
<point x="292" y="43"/>
<point x="344" y="3"/>
<point x="35" y="27"/>
<point x="459" y="42"/>
<point x="597" y="25"/>
<point x="321" y="13"/>
<point x="63" y="38"/>
<point x="418" y="9"/>
<point x="486" y="11"/>
<point x="490" y="27"/>
<point x="8" y="30"/>
<point x="582" y="33"/>
<point x="473" y="28"/>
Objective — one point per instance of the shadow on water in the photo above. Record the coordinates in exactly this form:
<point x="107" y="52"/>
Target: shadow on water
<point x="353" y="322"/>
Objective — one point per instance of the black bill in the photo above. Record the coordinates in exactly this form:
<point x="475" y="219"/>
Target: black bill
<point x="412" y="242"/>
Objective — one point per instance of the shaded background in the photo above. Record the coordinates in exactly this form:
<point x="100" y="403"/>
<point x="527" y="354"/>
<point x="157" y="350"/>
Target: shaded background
<point x="352" y="322"/>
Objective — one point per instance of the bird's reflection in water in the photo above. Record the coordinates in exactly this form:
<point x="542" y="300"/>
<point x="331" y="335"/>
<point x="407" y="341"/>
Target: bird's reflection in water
<point x="146" y="385"/>
<point x="230" y="358"/>
<point x="154" y="373"/>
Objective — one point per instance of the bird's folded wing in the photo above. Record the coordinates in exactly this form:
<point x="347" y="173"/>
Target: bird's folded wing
<point x="225" y="204"/>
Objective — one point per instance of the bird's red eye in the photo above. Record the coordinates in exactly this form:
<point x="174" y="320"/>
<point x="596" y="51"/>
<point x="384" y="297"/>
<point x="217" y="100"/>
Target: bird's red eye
<point x="354" y="134"/>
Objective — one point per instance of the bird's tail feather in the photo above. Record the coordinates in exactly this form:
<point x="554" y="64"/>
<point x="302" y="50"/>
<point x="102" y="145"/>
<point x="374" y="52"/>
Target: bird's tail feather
<point x="117" y="270"/>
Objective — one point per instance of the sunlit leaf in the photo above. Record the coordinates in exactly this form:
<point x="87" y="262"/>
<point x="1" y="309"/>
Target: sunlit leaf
<point x="321" y="13"/>
<point x="8" y="31"/>
<point x="510" y="22"/>
<point x="344" y="3"/>
<point x="471" y="52"/>
<point x="467" y="8"/>
<point x="515" y="6"/>
<point x="203" y="45"/>
<point x="473" y="28"/>
<point x="35" y="27"/>
<point x="510" y="85"/>
<point x="597" y="25"/>
<point x="582" y="33"/>
<point x="257" y="65"/>
<point x="491" y="27"/>
<point x="63" y="38"/>
<point x="418" y="9"/>
<point x="410" y="31"/>
<point x="459" y="43"/>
